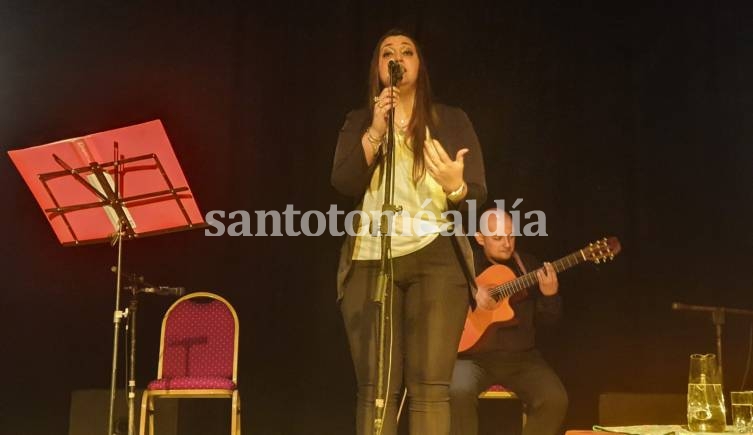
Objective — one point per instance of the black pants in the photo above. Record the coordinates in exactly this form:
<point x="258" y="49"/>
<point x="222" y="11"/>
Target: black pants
<point x="525" y="373"/>
<point x="429" y="305"/>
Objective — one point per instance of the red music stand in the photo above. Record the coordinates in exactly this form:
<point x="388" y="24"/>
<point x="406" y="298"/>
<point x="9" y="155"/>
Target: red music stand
<point x="140" y="192"/>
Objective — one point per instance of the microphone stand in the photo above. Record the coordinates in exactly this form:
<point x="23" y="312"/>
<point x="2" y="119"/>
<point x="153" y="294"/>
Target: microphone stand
<point x="718" y="315"/>
<point x="129" y="314"/>
<point x="384" y="286"/>
<point x="137" y="285"/>
<point x="131" y="387"/>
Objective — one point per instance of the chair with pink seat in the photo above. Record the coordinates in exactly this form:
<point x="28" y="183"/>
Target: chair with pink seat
<point x="198" y="356"/>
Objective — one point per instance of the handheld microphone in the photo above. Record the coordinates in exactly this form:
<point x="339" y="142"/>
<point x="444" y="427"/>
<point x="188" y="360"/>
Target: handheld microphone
<point x="396" y="70"/>
<point x="163" y="290"/>
<point x="139" y="285"/>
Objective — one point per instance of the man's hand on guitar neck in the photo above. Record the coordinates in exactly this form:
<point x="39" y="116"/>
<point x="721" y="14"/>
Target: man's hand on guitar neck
<point x="548" y="283"/>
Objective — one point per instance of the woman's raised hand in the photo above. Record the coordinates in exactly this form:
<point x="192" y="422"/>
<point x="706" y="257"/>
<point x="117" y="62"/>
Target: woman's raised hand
<point x="447" y="172"/>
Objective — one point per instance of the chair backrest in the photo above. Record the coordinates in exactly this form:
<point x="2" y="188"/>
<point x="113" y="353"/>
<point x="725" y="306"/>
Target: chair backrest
<point x="199" y="338"/>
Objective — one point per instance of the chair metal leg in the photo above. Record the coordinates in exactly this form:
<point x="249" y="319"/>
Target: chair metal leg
<point x="151" y="409"/>
<point x="144" y="411"/>
<point x="235" y="409"/>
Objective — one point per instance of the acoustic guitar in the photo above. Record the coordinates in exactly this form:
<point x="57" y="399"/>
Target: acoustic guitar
<point x="502" y="284"/>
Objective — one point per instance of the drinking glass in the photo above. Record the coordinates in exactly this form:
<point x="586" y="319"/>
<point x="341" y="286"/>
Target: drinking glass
<point x="742" y="411"/>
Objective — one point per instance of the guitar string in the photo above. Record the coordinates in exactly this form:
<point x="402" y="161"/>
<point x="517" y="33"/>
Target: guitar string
<point x="521" y="283"/>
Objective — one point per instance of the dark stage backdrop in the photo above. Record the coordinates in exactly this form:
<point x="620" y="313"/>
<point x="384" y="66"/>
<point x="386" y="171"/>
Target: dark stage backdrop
<point x="623" y="118"/>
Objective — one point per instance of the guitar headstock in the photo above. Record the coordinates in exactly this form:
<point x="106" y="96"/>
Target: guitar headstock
<point x="602" y="250"/>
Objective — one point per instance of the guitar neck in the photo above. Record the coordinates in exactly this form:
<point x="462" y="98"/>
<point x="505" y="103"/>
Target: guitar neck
<point x="530" y="279"/>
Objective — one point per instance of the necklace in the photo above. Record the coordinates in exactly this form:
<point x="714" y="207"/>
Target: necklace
<point x="401" y="120"/>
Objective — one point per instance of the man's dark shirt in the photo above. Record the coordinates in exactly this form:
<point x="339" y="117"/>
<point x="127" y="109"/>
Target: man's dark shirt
<point x="534" y="309"/>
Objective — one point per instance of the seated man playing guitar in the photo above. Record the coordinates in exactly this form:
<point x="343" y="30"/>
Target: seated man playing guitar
<point x="507" y="355"/>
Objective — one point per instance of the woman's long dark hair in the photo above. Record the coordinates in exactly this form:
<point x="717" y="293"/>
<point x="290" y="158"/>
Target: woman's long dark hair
<point x="422" y="115"/>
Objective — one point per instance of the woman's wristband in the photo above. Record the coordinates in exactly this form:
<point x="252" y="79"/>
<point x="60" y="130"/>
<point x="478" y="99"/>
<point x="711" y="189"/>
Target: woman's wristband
<point x="373" y="140"/>
<point x="457" y="195"/>
<point x="376" y="143"/>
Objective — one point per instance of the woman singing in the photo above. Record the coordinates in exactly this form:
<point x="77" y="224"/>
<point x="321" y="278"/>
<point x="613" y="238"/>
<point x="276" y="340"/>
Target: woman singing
<point x="438" y="167"/>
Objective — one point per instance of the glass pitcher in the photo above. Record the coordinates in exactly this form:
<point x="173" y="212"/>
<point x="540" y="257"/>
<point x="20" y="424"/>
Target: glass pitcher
<point x="706" y="411"/>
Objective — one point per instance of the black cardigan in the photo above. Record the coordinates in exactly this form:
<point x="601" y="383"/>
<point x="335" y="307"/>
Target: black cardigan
<point x="351" y="174"/>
